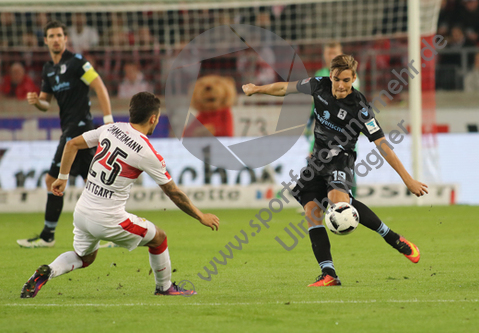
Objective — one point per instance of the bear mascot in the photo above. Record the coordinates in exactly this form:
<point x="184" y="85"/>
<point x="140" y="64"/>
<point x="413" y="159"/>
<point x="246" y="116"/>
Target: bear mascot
<point x="212" y="98"/>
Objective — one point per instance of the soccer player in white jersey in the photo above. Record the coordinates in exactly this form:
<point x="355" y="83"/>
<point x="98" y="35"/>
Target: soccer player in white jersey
<point x="123" y="153"/>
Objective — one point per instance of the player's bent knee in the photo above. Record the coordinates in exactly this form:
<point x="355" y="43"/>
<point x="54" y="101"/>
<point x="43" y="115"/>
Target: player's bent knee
<point x="86" y="264"/>
<point x="160" y="235"/>
<point x="88" y="259"/>
<point x="338" y="196"/>
<point x="313" y="213"/>
<point x="159" y="238"/>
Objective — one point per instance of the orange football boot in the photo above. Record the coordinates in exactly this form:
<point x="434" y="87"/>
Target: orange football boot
<point x="409" y="250"/>
<point x="325" y="280"/>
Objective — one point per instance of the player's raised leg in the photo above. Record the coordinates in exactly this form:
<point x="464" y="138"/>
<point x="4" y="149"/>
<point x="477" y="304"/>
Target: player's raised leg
<point x="161" y="265"/>
<point x="370" y="220"/>
<point x="64" y="263"/>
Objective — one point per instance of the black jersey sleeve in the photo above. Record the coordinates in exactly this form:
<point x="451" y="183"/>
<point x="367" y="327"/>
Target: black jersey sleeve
<point x="46" y="87"/>
<point x="308" y="85"/>
<point x="77" y="63"/>
<point x="371" y="127"/>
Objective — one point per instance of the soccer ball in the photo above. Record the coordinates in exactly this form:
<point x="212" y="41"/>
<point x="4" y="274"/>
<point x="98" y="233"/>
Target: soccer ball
<point x="342" y="218"/>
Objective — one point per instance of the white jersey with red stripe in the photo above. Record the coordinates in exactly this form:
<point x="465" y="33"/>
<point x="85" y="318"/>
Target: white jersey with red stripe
<point x="123" y="153"/>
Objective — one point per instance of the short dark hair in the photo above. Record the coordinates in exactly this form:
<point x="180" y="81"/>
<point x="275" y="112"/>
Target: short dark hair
<point x="344" y="62"/>
<point x="54" y="24"/>
<point x="142" y="106"/>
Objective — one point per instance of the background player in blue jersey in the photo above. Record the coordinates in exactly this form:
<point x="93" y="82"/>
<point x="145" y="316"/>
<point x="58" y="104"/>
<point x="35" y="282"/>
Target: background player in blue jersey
<point x="340" y="117"/>
<point x="68" y="78"/>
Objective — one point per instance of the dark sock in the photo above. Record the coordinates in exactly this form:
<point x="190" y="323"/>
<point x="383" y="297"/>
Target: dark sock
<point x="370" y="220"/>
<point x="322" y="249"/>
<point x="366" y="216"/>
<point x="53" y="211"/>
<point x="48" y="234"/>
<point x="392" y="238"/>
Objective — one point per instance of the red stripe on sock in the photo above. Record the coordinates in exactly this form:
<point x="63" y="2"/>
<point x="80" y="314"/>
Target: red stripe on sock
<point x="160" y="249"/>
<point x="133" y="228"/>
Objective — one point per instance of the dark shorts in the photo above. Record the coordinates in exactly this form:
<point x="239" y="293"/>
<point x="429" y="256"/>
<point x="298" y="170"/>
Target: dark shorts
<point x="337" y="174"/>
<point x="82" y="161"/>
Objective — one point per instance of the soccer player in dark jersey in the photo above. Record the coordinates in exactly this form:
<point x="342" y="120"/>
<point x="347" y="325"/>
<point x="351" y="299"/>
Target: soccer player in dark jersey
<point x="68" y="78"/>
<point x="340" y="118"/>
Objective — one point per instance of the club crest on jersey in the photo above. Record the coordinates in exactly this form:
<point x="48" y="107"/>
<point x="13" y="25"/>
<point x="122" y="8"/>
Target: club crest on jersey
<point x="305" y="80"/>
<point x="364" y="111"/>
<point x="342" y="114"/>
<point x="63" y="69"/>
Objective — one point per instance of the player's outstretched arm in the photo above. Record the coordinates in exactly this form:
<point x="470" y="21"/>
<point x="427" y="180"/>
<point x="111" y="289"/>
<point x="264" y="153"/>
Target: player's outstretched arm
<point x="416" y="187"/>
<point x="103" y="98"/>
<point x="41" y="102"/>
<point x="184" y="203"/>
<point x="69" y="153"/>
<point x="273" y="89"/>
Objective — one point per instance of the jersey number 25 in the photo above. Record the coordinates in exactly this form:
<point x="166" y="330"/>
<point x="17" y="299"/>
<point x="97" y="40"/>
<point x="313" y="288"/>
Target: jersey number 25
<point x="110" y="162"/>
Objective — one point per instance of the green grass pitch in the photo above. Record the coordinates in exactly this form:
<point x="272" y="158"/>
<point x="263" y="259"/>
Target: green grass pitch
<point x="263" y="287"/>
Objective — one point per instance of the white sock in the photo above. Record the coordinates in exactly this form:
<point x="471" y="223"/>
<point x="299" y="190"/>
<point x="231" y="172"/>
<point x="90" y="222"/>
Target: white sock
<point x="161" y="266"/>
<point x="64" y="263"/>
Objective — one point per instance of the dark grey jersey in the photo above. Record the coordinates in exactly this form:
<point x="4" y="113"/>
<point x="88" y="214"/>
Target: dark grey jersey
<point x="338" y="121"/>
<point x="69" y="82"/>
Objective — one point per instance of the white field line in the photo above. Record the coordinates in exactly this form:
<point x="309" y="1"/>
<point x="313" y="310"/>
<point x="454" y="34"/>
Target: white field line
<point x="240" y="304"/>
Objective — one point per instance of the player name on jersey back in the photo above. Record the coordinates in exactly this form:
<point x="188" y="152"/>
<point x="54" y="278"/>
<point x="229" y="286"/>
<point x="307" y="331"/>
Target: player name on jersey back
<point x="98" y="190"/>
<point x="125" y="138"/>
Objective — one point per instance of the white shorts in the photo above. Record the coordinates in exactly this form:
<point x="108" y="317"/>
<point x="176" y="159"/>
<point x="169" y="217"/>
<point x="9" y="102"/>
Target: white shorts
<point x="130" y="233"/>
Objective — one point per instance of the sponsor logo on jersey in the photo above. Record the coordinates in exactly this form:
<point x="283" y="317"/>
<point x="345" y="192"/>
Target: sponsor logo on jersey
<point x="372" y="126"/>
<point x="57" y="79"/>
<point x="322" y="100"/>
<point x="342" y="114"/>
<point x="305" y="81"/>
<point x="61" y="86"/>
<point x="51" y="74"/>
<point x="324" y="121"/>
<point x="318" y="78"/>
<point x="78" y="56"/>
<point x="63" y="69"/>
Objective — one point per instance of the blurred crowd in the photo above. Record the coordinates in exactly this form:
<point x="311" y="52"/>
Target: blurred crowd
<point x="133" y="50"/>
<point x="459" y="23"/>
